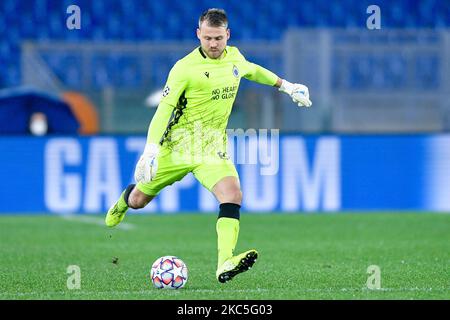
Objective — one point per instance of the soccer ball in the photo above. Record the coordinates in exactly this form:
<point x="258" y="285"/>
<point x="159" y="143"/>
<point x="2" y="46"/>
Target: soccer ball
<point x="169" y="272"/>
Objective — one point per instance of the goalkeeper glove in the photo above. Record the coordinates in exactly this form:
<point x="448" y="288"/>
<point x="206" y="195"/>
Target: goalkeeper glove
<point x="298" y="92"/>
<point x="148" y="164"/>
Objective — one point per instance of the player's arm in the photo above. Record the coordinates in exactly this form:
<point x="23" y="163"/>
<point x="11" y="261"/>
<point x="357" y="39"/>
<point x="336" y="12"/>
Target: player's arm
<point x="298" y="92"/>
<point x="175" y="86"/>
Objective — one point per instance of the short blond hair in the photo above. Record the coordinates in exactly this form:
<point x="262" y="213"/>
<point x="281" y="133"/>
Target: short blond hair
<point x="214" y="17"/>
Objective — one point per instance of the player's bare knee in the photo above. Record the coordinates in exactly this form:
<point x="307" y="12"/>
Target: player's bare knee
<point x="228" y="190"/>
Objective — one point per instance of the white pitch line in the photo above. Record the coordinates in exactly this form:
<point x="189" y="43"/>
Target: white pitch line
<point x="96" y="221"/>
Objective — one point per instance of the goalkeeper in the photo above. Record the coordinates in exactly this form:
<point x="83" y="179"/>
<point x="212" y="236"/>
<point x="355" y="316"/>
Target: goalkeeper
<point x="188" y="134"/>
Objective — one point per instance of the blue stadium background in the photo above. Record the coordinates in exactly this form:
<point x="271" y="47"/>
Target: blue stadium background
<point x="405" y="89"/>
<point x="148" y="20"/>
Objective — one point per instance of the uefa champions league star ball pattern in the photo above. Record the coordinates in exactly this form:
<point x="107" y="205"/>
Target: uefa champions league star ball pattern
<point x="169" y="272"/>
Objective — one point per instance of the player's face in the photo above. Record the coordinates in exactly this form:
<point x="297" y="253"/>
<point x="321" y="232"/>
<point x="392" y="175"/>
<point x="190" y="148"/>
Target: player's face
<point x="213" y="39"/>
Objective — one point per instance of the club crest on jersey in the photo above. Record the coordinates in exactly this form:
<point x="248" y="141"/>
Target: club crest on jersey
<point x="166" y="91"/>
<point x="235" y="71"/>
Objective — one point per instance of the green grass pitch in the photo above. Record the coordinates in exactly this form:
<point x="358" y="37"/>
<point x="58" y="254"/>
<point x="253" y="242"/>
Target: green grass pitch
<point x="302" y="256"/>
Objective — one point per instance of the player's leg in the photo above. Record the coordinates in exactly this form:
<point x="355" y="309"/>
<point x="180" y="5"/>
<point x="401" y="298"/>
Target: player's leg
<point x="131" y="197"/>
<point x="228" y="192"/>
<point x="223" y="181"/>
<point x="138" y="196"/>
<point x="229" y="195"/>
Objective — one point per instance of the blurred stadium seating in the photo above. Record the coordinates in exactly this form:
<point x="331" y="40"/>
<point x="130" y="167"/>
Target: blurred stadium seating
<point x="149" y="20"/>
<point x="162" y="22"/>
